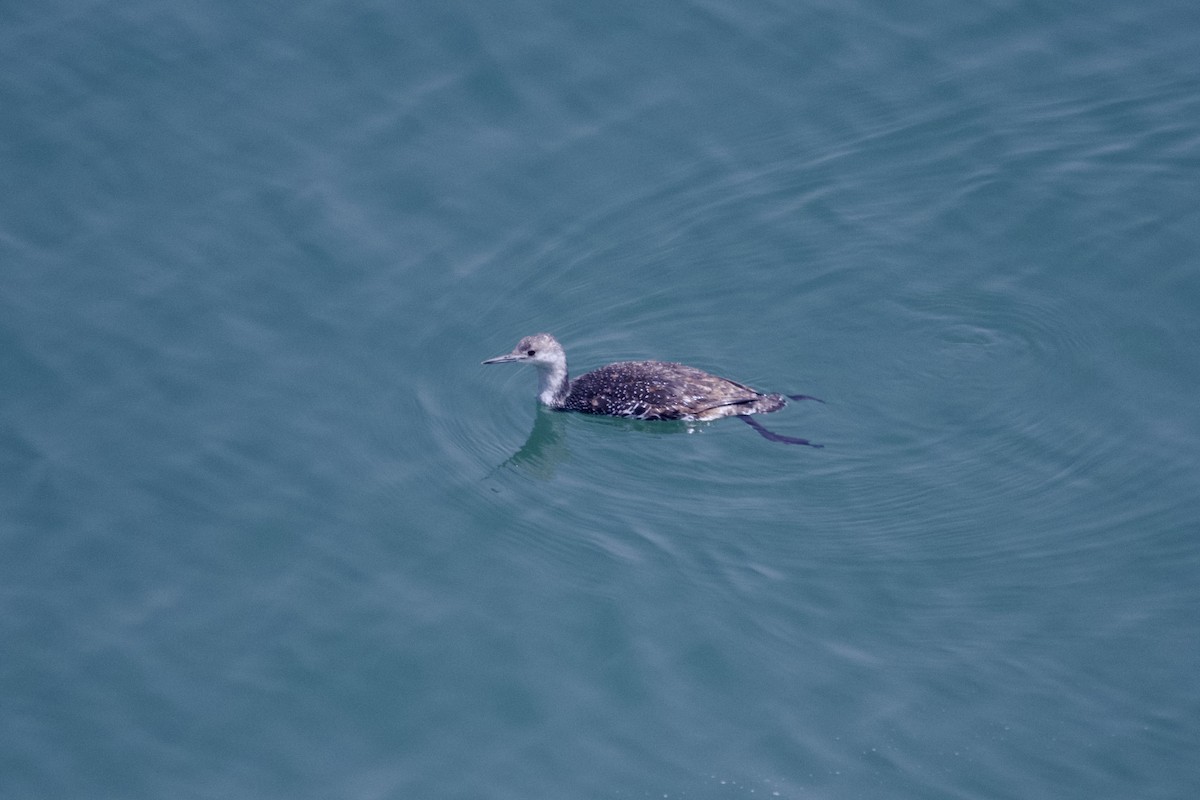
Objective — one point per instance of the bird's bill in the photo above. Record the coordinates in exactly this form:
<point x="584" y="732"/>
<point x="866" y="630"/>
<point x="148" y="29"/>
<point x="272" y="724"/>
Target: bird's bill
<point x="505" y="358"/>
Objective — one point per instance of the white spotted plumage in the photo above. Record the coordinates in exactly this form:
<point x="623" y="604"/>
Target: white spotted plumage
<point x="638" y="389"/>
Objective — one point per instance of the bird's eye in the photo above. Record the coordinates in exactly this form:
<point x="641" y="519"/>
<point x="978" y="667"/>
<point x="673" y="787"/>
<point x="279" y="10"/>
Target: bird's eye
<point x="531" y="352"/>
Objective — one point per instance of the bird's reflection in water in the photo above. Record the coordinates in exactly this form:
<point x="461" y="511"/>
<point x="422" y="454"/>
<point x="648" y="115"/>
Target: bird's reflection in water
<point x="546" y="446"/>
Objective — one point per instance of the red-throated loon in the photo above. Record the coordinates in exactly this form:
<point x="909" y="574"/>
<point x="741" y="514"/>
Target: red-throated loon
<point x="643" y="389"/>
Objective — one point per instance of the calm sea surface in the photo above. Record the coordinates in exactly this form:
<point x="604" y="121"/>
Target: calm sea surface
<point x="269" y="530"/>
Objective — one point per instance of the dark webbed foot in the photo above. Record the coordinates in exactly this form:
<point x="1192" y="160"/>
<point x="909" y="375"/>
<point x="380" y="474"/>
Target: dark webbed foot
<point x="776" y="437"/>
<point x="805" y="397"/>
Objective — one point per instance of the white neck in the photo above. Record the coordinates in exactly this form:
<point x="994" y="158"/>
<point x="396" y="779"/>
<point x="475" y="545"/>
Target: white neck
<point x="552" y="384"/>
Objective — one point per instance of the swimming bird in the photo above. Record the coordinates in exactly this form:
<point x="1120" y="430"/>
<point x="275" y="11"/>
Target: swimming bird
<point x="651" y="390"/>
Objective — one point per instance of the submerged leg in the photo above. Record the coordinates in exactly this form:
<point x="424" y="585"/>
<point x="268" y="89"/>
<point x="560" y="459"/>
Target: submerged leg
<point x="775" y="437"/>
<point x="805" y="397"/>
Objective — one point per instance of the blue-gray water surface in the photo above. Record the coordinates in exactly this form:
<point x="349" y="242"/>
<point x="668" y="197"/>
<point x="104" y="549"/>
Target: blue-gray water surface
<point x="268" y="529"/>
